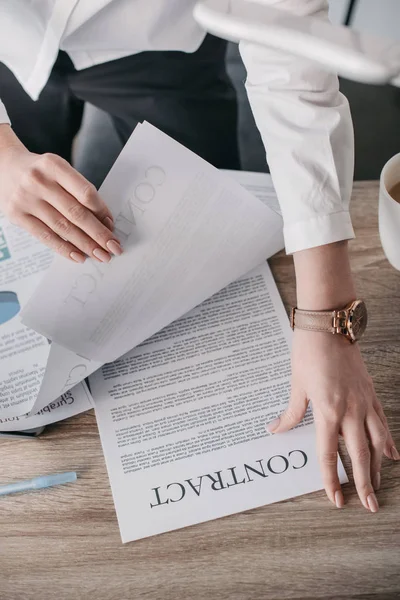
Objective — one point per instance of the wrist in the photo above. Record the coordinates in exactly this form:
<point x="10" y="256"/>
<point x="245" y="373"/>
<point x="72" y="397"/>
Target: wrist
<point x="8" y="139"/>
<point x="323" y="277"/>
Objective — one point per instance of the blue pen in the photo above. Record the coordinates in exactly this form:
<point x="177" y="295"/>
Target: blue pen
<point x="38" y="483"/>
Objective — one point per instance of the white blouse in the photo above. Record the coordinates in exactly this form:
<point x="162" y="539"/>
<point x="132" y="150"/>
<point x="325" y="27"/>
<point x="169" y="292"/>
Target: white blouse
<point x="303" y="119"/>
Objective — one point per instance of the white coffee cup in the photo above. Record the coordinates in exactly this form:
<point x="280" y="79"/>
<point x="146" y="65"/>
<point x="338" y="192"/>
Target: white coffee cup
<point x="389" y="212"/>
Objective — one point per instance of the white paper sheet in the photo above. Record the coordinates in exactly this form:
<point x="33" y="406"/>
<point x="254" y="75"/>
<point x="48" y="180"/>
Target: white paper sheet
<point x="188" y="231"/>
<point x="23" y="352"/>
<point x="182" y="417"/>
<point x="261" y="186"/>
<point x="66" y="368"/>
<point x="73" y="402"/>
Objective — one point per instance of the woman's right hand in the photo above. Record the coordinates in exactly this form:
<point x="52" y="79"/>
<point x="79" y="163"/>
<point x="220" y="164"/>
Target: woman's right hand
<point x="45" y="196"/>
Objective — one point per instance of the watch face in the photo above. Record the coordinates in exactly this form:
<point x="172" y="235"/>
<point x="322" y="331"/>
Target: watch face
<point x="357" y="320"/>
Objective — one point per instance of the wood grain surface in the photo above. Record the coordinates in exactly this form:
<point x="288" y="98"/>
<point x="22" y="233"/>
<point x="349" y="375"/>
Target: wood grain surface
<point x="64" y="543"/>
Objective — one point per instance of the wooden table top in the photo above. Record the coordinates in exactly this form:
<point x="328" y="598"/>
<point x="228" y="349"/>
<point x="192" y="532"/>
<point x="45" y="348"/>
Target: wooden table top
<point x="64" y="543"/>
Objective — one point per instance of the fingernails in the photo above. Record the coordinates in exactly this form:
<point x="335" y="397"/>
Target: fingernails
<point x="114" y="247"/>
<point x="109" y="223"/>
<point x="79" y="258"/>
<point x="395" y="453"/>
<point x="101" y="255"/>
<point x="273" y="425"/>
<point x="377" y="482"/>
<point x="339" y="500"/>
<point x="372" y="503"/>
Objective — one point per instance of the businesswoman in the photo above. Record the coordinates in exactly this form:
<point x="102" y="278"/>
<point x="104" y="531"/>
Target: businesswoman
<point x="150" y="60"/>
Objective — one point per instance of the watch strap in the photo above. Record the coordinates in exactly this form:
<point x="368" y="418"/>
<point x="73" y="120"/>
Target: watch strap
<point x="313" y="320"/>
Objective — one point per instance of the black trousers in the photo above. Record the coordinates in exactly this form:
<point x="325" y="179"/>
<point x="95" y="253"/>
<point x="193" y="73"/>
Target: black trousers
<point x="188" y="96"/>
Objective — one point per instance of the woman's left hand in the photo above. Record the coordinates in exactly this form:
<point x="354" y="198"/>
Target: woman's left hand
<point x="330" y="372"/>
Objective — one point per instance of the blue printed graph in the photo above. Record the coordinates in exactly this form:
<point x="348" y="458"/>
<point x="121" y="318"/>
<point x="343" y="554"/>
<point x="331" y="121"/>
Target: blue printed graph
<point x="9" y="306"/>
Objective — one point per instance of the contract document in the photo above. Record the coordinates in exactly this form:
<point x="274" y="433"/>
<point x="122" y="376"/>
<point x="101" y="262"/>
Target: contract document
<point x="182" y="417"/>
<point x="187" y="229"/>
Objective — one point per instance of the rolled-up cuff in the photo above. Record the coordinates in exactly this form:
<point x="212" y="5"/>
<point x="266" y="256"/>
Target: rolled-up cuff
<point x="318" y="231"/>
<point x="3" y="114"/>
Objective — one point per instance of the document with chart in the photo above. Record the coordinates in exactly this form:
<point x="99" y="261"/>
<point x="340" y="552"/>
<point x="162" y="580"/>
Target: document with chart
<point x="24" y="353"/>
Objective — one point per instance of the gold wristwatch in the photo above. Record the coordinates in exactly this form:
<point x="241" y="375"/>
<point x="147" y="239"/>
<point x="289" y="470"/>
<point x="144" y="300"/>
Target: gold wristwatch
<point x="350" y="321"/>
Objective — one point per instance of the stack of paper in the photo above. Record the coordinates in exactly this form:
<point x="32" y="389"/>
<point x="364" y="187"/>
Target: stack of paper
<point x="191" y="328"/>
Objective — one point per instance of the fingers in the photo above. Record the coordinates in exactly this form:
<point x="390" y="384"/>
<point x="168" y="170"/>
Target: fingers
<point x="67" y="231"/>
<point x="354" y="434"/>
<point x="76" y="216"/>
<point x="292" y="416"/>
<point x="327" y="449"/>
<point x="389" y="449"/>
<point x="67" y="203"/>
<point x="49" y="238"/>
<point x="77" y="186"/>
<point x="377" y="435"/>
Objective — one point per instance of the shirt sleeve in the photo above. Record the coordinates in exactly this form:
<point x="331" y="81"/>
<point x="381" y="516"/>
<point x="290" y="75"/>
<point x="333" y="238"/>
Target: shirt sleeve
<point x="306" y="127"/>
<point x="3" y="114"/>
